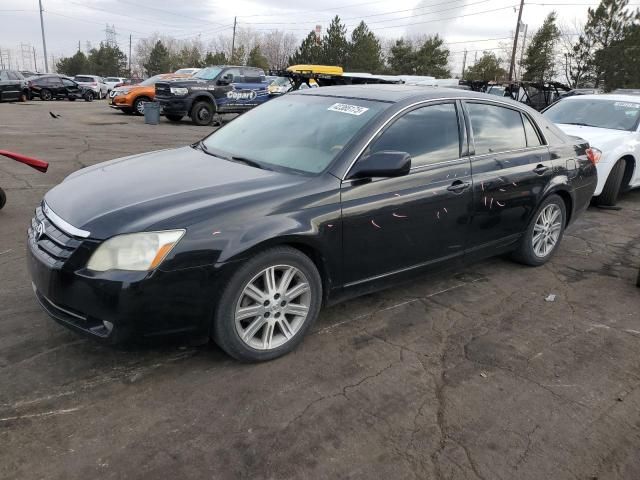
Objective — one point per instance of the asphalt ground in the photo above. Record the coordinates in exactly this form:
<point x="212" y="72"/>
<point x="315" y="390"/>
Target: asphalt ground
<point x="463" y="375"/>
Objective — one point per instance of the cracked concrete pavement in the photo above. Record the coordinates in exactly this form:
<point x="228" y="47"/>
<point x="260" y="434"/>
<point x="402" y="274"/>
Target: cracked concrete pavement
<point x="462" y="375"/>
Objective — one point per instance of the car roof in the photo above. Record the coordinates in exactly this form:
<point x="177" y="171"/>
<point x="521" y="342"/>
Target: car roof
<point x="605" y="96"/>
<point x="395" y="93"/>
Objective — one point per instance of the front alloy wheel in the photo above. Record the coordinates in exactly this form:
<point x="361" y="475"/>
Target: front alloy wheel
<point x="272" y="307"/>
<point x="268" y="305"/>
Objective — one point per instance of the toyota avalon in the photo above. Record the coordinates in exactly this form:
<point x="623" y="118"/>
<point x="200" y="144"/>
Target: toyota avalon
<point x="243" y="236"/>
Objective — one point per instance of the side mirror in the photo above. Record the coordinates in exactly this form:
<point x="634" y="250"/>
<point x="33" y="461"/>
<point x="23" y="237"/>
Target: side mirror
<point x="386" y="163"/>
<point x="225" y="79"/>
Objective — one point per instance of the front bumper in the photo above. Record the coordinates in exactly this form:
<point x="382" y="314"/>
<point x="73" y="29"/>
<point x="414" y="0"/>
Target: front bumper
<point x="174" y="106"/>
<point x="115" y="305"/>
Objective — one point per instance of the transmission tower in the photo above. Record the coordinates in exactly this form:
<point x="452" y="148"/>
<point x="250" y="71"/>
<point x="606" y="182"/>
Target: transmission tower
<point x="26" y="55"/>
<point x="110" y="36"/>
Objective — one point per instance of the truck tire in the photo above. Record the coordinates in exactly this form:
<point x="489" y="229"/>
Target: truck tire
<point x="173" y="118"/>
<point x="202" y="113"/>
<point x="609" y="195"/>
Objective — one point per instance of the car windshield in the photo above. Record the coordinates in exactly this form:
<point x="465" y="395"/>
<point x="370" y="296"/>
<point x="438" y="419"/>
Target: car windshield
<point x="208" y="73"/>
<point x="303" y="133"/>
<point x="150" y="81"/>
<point x="281" y="81"/>
<point x="78" y="78"/>
<point x="600" y="113"/>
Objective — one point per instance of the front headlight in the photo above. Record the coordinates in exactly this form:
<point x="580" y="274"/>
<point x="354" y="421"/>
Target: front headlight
<point x="179" y="91"/>
<point x="134" y="251"/>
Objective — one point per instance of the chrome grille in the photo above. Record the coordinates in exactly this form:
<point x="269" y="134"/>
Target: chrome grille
<point x="50" y="243"/>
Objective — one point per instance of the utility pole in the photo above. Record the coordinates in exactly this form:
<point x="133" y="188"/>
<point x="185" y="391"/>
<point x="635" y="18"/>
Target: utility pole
<point x="78" y="45"/>
<point x="35" y="65"/>
<point x="464" y="63"/>
<point x="515" y="42"/>
<point x="1" y="60"/>
<point x="129" y="55"/>
<point x="233" y="39"/>
<point x="524" y="42"/>
<point x="44" y="43"/>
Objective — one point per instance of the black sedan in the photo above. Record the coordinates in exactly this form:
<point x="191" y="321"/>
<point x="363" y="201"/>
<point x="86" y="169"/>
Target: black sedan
<point x="12" y="85"/>
<point x="309" y="199"/>
<point x="50" y="87"/>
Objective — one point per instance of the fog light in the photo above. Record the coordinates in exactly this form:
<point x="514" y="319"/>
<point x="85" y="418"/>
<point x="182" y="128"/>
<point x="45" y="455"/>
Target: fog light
<point x="108" y="326"/>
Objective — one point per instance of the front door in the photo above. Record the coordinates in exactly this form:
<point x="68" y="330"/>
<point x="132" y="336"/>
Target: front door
<point x="10" y="86"/>
<point x="72" y="89"/>
<point x="392" y="225"/>
<point x="511" y="167"/>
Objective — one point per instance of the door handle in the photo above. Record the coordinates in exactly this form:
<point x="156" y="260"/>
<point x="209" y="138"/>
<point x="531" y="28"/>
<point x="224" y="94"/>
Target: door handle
<point x="540" y="169"/>
<point x="458" y="186"/>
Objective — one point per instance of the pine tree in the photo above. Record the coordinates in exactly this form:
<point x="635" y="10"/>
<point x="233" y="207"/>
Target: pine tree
<point x="432" y="58"/>
<point x="257" y="59"/>
<point x="335" y="48"/>
<point x="107" y="60"/>
<point x="487" y="68"/>
<point x="159" y="60"/>
<point x="539" y="63"/>
<point x="73" y="65"/>
<point x="402" y="58"/>
<point x="365" y="53"/>
<point x="309" y="52"/>
<point x="218" y="58"/>
<point x="620" y="61"/>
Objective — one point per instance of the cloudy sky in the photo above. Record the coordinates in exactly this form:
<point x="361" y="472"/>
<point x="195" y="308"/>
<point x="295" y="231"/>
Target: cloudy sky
<point x="473" y="25"/>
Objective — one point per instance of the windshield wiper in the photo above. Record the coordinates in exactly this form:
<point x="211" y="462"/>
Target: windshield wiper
<point x="247" y="161"/>
<point x="580" y="124"/>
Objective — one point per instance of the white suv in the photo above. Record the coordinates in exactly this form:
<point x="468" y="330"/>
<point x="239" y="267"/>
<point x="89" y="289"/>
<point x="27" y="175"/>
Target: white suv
<point x="94" y="83"/>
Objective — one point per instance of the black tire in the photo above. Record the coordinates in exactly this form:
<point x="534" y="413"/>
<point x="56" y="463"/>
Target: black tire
<point x="609" y="195"/>
<point x="224" y="330"/>
<point x="46" y="95"/>
<point x="89" y="96"/>
<point x="525" y="252"/>
<point x="174" y="118"/>
<point x="138" y="105"/>
<point x="3" y="198"/>
<point x="72" y="99"/>
<point x="202" y="113"/>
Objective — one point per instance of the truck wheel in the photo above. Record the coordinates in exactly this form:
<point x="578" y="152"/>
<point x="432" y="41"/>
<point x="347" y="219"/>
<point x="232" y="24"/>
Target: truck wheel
<point x="202" y="113"/>
<point x="174" y="118"/>
<point x="46" y="95"/>
<point x="138" y="105"/>
<point x="3" y="198"/>
<point x="609" y="195"/>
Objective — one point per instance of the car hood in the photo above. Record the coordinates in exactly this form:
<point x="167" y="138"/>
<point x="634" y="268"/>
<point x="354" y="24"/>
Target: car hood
<point x="188" y="82"/>
<point x="597" y="137"/>
<point x="135" y="193"/>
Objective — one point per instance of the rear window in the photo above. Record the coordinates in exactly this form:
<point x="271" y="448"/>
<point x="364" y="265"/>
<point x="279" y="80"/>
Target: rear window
<point x="79" y="78"/>
<point x="496" y="129"/>
<point x="111" y="79"/>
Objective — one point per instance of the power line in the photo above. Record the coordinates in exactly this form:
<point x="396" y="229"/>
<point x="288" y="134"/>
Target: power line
<point x="168" y="12"/>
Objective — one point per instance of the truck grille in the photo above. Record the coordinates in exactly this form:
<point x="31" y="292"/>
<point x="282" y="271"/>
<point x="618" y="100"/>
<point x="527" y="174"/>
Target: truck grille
<point x="163" y="89"/>
<point x="50" y="243"/>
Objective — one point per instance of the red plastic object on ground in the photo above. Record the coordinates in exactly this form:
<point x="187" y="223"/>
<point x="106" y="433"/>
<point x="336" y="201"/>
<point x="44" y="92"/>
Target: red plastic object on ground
<point x="36" y="163"/>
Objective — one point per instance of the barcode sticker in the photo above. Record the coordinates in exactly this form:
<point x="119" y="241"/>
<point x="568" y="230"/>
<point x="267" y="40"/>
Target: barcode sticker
<point x="627" y="104"/>
<point x="345" y="108"/>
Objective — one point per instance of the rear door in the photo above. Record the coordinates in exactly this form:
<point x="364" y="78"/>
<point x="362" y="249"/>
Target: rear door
<point x="511" y="166"/>
<point x="55" y="85"/>
<point x="393" y="225"/>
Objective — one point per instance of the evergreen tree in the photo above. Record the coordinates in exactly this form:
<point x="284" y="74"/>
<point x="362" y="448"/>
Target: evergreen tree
<point x="365" y="53"/>
<point x="402" y="58"/>
<point x="309" y="52"/>
<point x="218" y="58"/>
<point x="237" y="56"/>
<point x="257" y="59"/>
<point x="335" y="48"/>
<point x="620" y="61"/>
<point x="187" y="57"/>
<point x="107" y="60"/>
<point x="487" y="68"/>
<point x="73" y="65"/>
<point x="606" y="26"/>
<point x="539" y="62"/>
<point x="159" y="60"/>
<point x="432" y="58"/>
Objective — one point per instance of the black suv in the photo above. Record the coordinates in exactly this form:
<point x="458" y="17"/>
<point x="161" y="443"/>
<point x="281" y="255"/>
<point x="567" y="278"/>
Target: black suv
<point x="12" y="85"/>
<point x="49" y="87"/>
<point x="217" y="89"/>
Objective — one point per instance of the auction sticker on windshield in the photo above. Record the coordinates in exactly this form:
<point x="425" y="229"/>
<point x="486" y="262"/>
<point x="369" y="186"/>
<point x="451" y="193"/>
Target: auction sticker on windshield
<point x="626" y="105"/>
<point x="346" y="108"/>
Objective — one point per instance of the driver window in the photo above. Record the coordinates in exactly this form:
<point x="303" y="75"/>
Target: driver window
<point x="67" y="83"/>
<point x="429" y="134"/>
<point x="235" y="74"/>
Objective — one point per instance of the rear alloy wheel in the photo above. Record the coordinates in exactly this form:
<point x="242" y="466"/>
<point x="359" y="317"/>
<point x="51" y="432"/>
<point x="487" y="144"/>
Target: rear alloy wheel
<point x="543" y="235"/>
<point x="46" y="95"/>
<point x="609" y="195"/>
<point x="138" y="105"/>
<point x="202" y="113"/>
<point x="173" y="118"/>
<point x="88" y="97"/>
<point x="268" y="306"/>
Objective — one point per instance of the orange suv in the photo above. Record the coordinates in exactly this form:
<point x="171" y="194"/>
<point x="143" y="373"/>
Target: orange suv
<point x="131" y="98"/>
